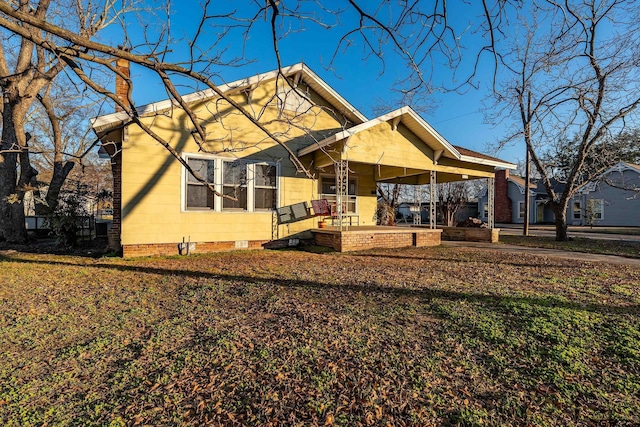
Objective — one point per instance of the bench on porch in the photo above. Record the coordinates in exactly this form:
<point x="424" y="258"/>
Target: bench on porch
<point x="324" y="209"/>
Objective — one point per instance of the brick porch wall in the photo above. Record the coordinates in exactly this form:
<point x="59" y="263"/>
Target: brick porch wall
<point x="358" y="240"/>
<point x="491" y="235"/>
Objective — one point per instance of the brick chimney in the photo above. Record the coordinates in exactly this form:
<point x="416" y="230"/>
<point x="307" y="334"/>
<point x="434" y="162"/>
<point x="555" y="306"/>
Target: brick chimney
<point x="122" y="86"/>
<point x="502" y="207"/>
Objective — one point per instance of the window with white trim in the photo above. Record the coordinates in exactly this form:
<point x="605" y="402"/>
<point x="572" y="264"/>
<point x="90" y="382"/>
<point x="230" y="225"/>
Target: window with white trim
<point x="234" y="184"/>
<point x="199" y="196"/>
<point x="293" y="99"/>
<point x="521" y="210"/>
<point x="254" y="185"/>
<point x="265" y="186"/>
<point x="596" y="209"/>
<point x="577" y="209"/>
<point x="328" y="191"/>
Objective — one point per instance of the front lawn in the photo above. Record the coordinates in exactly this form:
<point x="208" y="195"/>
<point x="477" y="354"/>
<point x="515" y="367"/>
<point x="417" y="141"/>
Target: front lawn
<point x="430" y="336"/>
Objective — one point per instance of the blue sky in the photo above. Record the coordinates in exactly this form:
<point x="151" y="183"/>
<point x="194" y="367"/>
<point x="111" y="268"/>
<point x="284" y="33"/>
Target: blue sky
<point x="457" y="116"/>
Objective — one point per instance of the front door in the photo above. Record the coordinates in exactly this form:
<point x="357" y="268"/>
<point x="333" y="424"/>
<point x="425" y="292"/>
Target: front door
<point x="540" y="214"/>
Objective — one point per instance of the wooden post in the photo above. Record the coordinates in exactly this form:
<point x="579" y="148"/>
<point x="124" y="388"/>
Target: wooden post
<point x="432" y="200"/>
<point x="491" y="200"/>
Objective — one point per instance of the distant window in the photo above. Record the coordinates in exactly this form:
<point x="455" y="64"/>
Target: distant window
<point x="199" y="196"/>
<point x="485" y="210"/>
<point x="521" y="210"/>
<point x="577" y="209"/>
<point x="595" y="208"/>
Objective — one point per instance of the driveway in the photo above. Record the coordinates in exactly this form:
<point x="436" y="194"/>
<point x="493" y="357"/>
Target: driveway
<point x="555" y="253"/>
<point x="549" y="231"/>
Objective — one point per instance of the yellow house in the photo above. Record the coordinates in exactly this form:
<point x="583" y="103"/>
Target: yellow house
<point x="260" y="194"/>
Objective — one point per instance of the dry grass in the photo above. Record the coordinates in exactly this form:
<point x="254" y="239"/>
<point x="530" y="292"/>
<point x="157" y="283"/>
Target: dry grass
<point x="438" y="336"/>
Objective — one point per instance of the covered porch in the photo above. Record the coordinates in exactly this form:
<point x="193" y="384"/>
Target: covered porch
<point x="397" y="148"/>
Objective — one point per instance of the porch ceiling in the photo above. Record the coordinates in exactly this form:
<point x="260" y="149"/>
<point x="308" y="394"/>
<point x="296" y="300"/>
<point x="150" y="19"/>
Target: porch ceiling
<point x="422" y="177"/>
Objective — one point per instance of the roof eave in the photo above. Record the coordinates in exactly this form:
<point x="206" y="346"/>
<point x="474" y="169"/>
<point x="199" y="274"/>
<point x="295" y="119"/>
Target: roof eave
<point x="404" y="113"/>
<point x="117" y="119"/>
<point x="488" y="162"/>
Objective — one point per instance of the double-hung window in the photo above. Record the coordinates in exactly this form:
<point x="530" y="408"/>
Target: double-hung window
<point x="250" y="186"/>
<point x="265" y="186"/>
<point x="234" y="184"/>
<point x="577" y="209"/>
<point x="199" y="196"/>
<point x="596" y="209"/>
<point x="328" y="191"/>
<point x="521" y="210"/>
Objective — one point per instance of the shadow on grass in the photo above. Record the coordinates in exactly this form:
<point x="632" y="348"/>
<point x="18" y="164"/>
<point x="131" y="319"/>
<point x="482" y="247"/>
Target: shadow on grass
<point x="95" y="248"/>
<point x="533" y="263"/>
<point x="495" y="301"/>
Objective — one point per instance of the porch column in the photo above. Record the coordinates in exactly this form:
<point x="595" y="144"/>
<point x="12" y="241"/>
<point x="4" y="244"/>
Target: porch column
<point x="491" y="200"/>
<point x="432" y="199"/>
<point x="342" y="188"/>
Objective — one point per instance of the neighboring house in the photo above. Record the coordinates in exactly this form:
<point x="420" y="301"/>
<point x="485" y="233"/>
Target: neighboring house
<point x="509" y="200"/>
<point x="468" y="210"/>
<point x="157" y="204"/>
<point x="406" y="210"/>
<point x="612" y="199"/>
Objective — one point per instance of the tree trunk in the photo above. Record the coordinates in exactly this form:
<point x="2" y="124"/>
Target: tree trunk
<point x="12" y="224"/>
<point x="561" y="222"/>
<point x="60" y="173"/>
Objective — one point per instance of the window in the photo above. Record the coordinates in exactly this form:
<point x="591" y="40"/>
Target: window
<point x="253" y="185"/>
<point x="576" y="209"/>
<point x="328" y="191"/>
<point x="521" y="210"/>
<point x="485" y="210"/>
<point x="265" y="188"/>
<point x="595" y="208"/>
<point x="234" y="184"/>
<point x="199" y="196"/>
<point x="293" y="100"/>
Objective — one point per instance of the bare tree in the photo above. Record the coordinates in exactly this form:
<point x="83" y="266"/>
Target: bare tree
<point x="452" y="196"/>
<point x="417" y="34"/>
<point x="26" y="69"/>
<point x="572" y="69"/>
<point x="61" y="139"/>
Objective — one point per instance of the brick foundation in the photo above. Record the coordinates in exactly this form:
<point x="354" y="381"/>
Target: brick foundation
<point x="356" y="240"/>
<point x="169" y="249"/>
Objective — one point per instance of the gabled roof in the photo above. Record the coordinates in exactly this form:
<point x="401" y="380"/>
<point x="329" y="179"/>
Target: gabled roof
<point x="471" y="156"/>
<point x="418" y="126"/>
<point x="618" y="167"/>
<point x="537" y="186"/>
<point x="115" y="120"/>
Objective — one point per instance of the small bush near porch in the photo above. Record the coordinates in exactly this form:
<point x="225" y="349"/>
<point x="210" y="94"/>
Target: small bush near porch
<point x="422" y="336"/>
